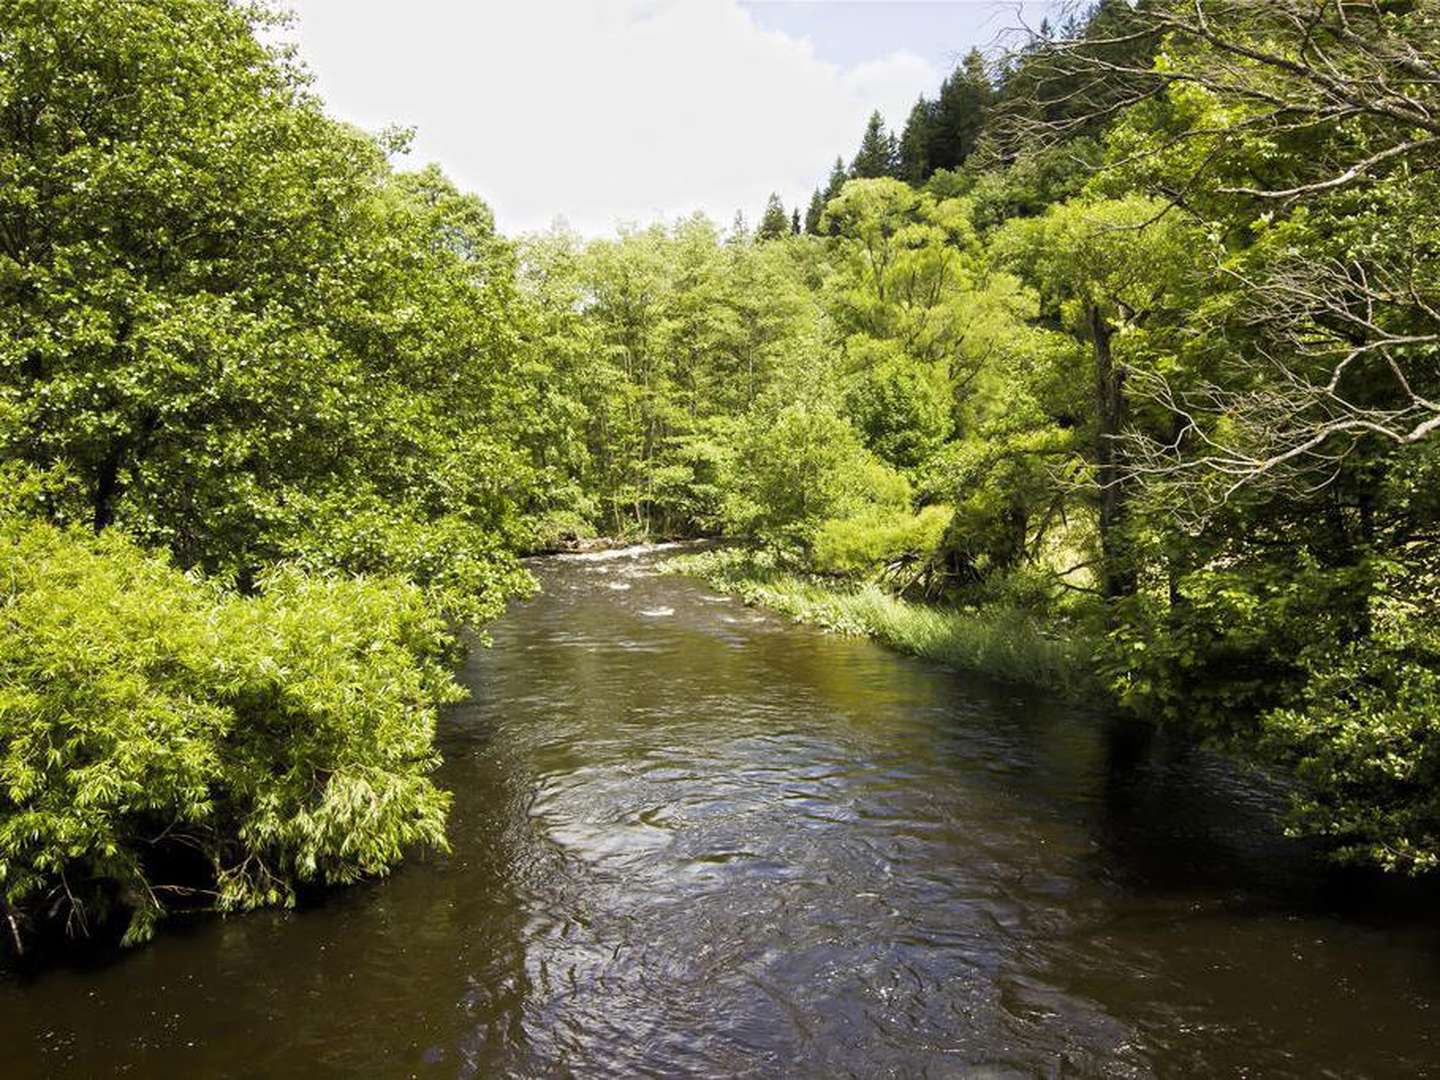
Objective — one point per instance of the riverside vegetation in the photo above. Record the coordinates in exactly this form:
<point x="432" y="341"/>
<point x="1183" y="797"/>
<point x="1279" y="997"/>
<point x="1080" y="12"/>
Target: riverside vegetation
<point x="1116" y="372"/>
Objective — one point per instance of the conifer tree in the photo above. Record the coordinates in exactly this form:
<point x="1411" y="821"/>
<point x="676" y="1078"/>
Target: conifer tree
<point x="878" y="151"/>
<point x="915" y="143"/>
<point x="838" y="175"/>
<point x="773" y="222"/>
<point x="813" y="212"/>
<point x="959" y="114"/>
<point x="795" y="222"/>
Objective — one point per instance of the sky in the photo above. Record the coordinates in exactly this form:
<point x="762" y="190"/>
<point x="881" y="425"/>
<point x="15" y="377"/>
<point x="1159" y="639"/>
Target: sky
<point x="600" y="112"/>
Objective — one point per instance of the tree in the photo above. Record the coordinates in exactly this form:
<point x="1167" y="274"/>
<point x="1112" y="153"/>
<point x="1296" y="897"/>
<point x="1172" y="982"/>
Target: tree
<point x="1347" y="307"/>
<point x="902" y="271"/>
<point x="795" y="227"/>
<point x="814" y="212"/>
<point x="914" y="165"/>
<point x="878" y="151"/>
<point x="739" y="229"/>
<point x="804" y="465"/>
<point x="262" y="293"/>
<point x="958" y="115"/>
<point x="773" y="223"/>
<point x="1105" y="269"/>
<point x="232" y="334"/>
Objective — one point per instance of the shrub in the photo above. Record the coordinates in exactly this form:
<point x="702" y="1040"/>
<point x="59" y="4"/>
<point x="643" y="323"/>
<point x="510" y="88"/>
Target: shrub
<point x="163" y="738"/>
<point x="1363" y="742"/>
<point x="900" y="406"/>
<point x="801" y="468"/>
<point x="875" y="537"/>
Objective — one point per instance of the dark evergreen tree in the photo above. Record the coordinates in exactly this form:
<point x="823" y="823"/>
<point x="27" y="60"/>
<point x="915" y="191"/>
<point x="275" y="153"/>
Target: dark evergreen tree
<point x="814" y="213"/>
<point x="838" y="175"/>
<point x="795" y="221"/>
<point x="915" y="143"/>
<point x="959" y="113"/>
<point x="878" y="151"/>
<point x="773" y="222"/>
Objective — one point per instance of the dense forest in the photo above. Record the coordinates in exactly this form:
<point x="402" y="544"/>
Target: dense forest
<point x="1118" y="370"/>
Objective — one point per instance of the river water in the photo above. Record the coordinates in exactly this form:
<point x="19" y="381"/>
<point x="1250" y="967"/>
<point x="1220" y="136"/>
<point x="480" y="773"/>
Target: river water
<point x="691" y="839"/>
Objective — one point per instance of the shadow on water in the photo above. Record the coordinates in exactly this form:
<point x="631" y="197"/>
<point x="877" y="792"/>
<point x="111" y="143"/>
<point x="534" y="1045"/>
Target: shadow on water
<point x="690" y="839"/>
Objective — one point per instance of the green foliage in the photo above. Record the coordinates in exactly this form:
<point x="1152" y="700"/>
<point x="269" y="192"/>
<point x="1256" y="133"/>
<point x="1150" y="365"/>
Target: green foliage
<point x="813" y="212"/>
<point x="224" y="314"/>
<point x="774" y="223"/>
<point x="232" y="332"/>
<point x="1364" y="741"/>
<point x="875" y="538"/>
<point x="803" y="466"/>
<point x="959" y="114"/>
<point x="1169" y="424"/>
<point x="901" y="408"/>
<point x="879" y="154"/>
<point x="156" y="729"/>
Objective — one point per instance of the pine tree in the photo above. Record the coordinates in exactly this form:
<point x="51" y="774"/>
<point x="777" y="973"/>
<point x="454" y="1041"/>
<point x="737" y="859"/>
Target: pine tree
<point x="878" y="151"/>
<point x="959" y="113"/>
<point x="773" y="223"/>
<point x="915" y="143"/>
<point x="795" y="222"/>
<point x="838" y="176"/>
<point x="814" y="213"/>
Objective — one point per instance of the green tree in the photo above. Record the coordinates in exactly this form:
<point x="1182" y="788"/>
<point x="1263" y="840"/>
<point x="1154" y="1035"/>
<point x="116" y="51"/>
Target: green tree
<point x="915" y="141"/>
<point x="878" y="152"/>
<point x="1107" y="270"/>
<point x="773" y="223"/>
<point x="958" y="116"/>
<point x="814" y="212"/>
<point x="802" y="466"/>
<point x="227" y="316"/>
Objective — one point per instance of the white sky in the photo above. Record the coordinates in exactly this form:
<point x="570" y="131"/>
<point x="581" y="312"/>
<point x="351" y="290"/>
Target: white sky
<point x="603" y="111"/>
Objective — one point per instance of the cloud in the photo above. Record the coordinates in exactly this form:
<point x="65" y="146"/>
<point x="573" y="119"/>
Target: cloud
<point x="603" y="112"/>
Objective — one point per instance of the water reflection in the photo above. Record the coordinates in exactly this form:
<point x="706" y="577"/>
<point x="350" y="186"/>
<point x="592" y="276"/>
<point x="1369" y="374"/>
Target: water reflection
<point x="691" y="839"/>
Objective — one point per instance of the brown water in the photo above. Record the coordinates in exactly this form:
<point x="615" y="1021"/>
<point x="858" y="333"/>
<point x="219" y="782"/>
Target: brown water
<point x="691" y="839"/>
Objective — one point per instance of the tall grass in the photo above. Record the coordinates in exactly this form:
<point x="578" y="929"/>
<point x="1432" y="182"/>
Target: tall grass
<point x="1003" y="642"/>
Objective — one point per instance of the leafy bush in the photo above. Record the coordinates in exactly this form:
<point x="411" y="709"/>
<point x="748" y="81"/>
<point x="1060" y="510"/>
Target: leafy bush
<point x="875" y="537"/>
<point x="466" y="568"/>
<point x="162" y="738"/>
<point x="556" y="530"/>
<point x="804" y="466"/>
<point x="900" y="406"/>
<point x="1364" y="744"/>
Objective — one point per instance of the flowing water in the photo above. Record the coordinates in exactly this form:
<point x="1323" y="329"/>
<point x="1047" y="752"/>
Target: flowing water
<point x="691" y="839"/>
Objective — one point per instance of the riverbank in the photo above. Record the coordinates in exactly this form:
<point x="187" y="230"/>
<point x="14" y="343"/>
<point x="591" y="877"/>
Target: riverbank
<point x="1001" y="642"/>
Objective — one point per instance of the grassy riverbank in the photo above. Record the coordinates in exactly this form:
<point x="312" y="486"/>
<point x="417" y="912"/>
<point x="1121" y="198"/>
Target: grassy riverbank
<point x="1002" y="642"/>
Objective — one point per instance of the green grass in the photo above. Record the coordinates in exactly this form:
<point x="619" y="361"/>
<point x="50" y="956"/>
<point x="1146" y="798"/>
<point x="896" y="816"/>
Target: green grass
<point x="1002" y="642"/>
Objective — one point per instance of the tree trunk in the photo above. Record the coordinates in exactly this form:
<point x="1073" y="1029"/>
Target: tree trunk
<point x="1118" y="570"/>
<point x="107" y="487"/>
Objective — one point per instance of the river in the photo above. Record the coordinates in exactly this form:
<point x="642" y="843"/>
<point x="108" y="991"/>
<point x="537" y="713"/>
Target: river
<point x="691" y="839"/>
